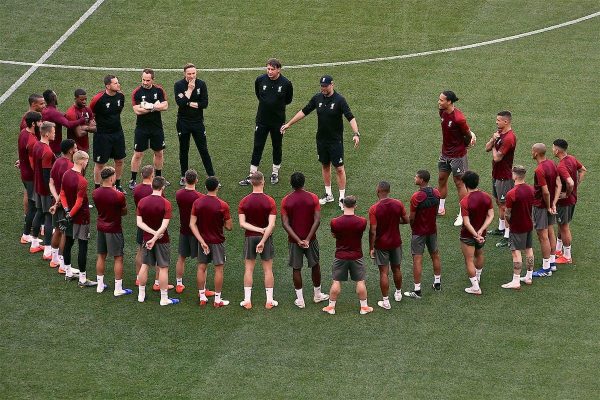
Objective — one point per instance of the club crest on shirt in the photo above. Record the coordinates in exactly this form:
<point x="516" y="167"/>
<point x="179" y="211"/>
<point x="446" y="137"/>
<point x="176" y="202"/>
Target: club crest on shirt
<point x="198" y="92"/>
<point x="155" y="96"/>
<point x="332" y="105"/>
<point x="143" y="98"/>
<point x="264" y="87"/>
<point x="449" y="124"/>
<point x="320" y="104"/>
<point x="107" y="105"/>
<point x="279" y="89"/>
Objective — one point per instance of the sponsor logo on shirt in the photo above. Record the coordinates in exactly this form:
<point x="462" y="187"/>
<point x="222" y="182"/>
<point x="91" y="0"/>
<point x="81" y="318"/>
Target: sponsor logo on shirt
<point x="264" y="87"/>
<point x="118" y="103"/>
<point x="320" y="104"/>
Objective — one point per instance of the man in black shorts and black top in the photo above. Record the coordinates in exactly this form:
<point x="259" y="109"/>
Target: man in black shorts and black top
<point x="148" y="101"/>
<point x="109" y="140"/>
<point x="191" y="96"/>
<point x="273" y="91"/>
<point x="330" y="106"/>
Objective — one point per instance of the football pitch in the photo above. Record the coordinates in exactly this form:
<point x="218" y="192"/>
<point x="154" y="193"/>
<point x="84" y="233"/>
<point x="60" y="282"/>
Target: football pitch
<point x="60" y="341"/>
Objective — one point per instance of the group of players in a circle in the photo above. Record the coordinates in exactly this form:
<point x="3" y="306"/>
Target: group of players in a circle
<point x="52" y="171"/>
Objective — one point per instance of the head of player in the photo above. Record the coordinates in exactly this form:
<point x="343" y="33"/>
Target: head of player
<point x="257" y="179"/>
<point x="518" y="174"/>
<point x="50" y="97"/>
<point x="273" y="68"/>
<point x="383" y="189"/>
<point x="80" y="160"/>
<point x="191" y="178"/>
<point x="327" y="86"/>
<point x="108" y="176"/>
<point x="212" y="185"/>
<point x="112" y="85"/>
<point x="68" y="147"/>
<point x="446" y="101"/>
<point x="349" y="203"/>
<point x="158" y="184"/>
<point x="297" y="180"/>
<point x="36" y="102"/>
<point x="80" y="98"/>
<point x="189" y="72"/>
<point x="538" y="151"/>
<point x="47" y="131"/>
<point x="503" y="121"/>
<point x="33" y="120"/>
<point x="559" y="148"/>
<point x="147" y="172"/>
<point x="471" y="180"/>
<point x="147" y="78"/>
<point x="422" y="178"/>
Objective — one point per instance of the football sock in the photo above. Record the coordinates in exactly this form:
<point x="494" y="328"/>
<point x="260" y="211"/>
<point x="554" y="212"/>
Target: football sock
<point x="437" y="279"/>
<point x="269" y="292"/>
<point x="386" y="299"/>
<point x="342" y="193"/>
<point x="82" y="277"/>
<point x="363" y="303"/>
<point x="217" y="297"/>
<point x="164" y="295"/>
<point x="545" y="263"/>
<point x="118" y="285"/>
<point x="317" y="290"/>
<point x="141" y="293"/>
<point x="47" y="251"/>
<point x="478" y="274"/>
<point x="179" y="281"/>
<point x="68" y="271"/>
<point x="328" y="191"/>
<point x="552" y="259"/>
<point x="61" y="261"/>
<point x="501" y="224"/>
<point x="156" y="282"/>
<point x="299" y="295"/>
<point x="529" y="275"/>
<point x="474" y="283"/>
<point x="253" y="168"/>
<point x="158" y="172"/>
<point x="202" y="294"/>
<point x="442" y="204"/>
<point x="134" y="175"/>
<point x="276" y="169"/>
<point x="559" y="245"/>
<point x="100" y="280"/>
<point x="332" y="303"/>
<point x="247" y="293"/>
<point x="567" y="251"/>
<point x="506" y="233"/>
<point x="516" y="278"/>
<point x="54" y="253"/>
<point x="417" y="287"/>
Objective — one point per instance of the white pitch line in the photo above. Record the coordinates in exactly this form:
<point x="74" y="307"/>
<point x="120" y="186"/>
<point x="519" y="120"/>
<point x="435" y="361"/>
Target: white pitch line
<point x="51" y="50"/>
<point x="326" y="64"/>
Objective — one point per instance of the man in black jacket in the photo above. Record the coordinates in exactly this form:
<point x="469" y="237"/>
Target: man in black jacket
<point x="191" y="96"/>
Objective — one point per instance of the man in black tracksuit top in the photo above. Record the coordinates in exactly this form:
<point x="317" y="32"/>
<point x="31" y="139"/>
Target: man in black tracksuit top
<point x="191" y="96"/>
<point x="273" y="91"/>
<point x="331" y="107"/>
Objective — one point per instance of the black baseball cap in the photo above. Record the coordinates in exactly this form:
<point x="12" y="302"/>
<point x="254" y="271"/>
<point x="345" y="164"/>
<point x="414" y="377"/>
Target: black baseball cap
<point x="326" y="80"/>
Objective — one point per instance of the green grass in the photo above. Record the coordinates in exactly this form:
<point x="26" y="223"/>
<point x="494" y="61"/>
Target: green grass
<point x="59" y="341"/>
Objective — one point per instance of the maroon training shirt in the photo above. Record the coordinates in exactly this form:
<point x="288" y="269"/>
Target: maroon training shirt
<point x="348" y="231"/>
<point x="25" y="146"/>
<point x="475" y="205"/>
<point x="386" y="214"/>
<point x="544" y="175"/>
<point x="51" y="114"/>
<point x="568" y="167"/>
<point x="505" y="144"/>
<point x="454" y="130"/>
<point x="73" y="195"/>
<point x="110" y="204"/>
<point x="300" y="207"/>
<point x="257" y="207"/>
<point x="73" y="114"/>
<point x="43" y="158"/>
<point x="153" y="209"/>
<point x="211" y="213"/>
<point x="520" y="200"/>
<point x="61" y="165"/>
<point x="185" y="199"/>
<point x="424" y="222"/>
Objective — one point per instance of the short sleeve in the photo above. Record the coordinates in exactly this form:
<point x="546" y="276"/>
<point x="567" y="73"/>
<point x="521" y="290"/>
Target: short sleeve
<point x="273" y="206"/>
<point x="510" y="198"/>
<point x="541" y="178"/>
<point x="168" y="210"/>
<point x="225" y="210"/>
<point x="372" y="216"/>
<point x="316" y="202"/>
<point x="283" y="209"/>
<point x="464" y="206"/>
<point x="47" y="159"/>
<point x="346" y="110"/>
<point x="310" y="106"/>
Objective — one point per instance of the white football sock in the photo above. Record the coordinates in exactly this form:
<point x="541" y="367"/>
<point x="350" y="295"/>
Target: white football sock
<point x="501" y="224"/>
<point x="545" y="263"/>
<point x="179" y="281"/>
<point x="82" y="277"/>
<point x="217" y="297"/>
<point x="516" y="278"/>
<point x="317" y="290"/>
<point x="506" y="233"/>
<point x="567" y="251"/>
<point x="342" y="193"/>
<point x="478" y="274"/>
<point x="474" y="283"/>
<point x="100" y="280"/>
<point x="332" y="303"/>
<point x="141" y="293"/>
<point x="118" y="285"/>
<point x="269" y="292"/>
<point x="363" y="303"/>
<point x="417" y="287"/>
<point x="202" y="294"/>
<point x="437" y="279"/>
<point x="253" y="169"/>
<point x="276" y="169"/>
<point x="559" y="245"/>
<point x="328" y="191"/>
<point x="164" y="295"/>
<point x="299" y="295"/>
<point x="247" y="293"/>
<point x="54" y="253"/>
<point x="442" y="204"/>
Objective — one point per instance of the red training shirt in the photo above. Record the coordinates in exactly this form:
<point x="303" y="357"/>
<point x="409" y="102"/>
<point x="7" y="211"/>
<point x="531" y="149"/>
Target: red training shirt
<point x="475" y="205"/>
<point x="505" y="144"/>
<point x="544" y="175"/>
<point x="110" y="204"/>
<point x="73" y="114"/>
<point x="43" y="158"/>
<point x="520" y="200"/>
<point x="386" y="214"/>
<point x="153" y="209"/>
<point x="25" y="145"/>
<point x="73" y="196"/>
<point x="348" y="231"/>
<point x="454" y="130"/>
<point x="424" y="222"/>
<point x="61" y="165"/>
<point x="185" y="199"/>
<point x="568" y="167"/>
<point x="211" y="213"/>
<point x="257" y="207"/>
<point x="300" y="207"/>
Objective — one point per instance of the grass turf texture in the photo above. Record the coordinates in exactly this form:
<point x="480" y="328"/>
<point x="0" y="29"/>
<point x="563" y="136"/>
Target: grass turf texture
<point x="61" y="341"/>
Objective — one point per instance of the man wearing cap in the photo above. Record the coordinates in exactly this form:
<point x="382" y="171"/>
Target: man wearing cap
<point x="330" y="107"/>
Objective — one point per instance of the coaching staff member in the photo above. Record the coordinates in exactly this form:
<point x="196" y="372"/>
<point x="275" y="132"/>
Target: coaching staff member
<point x="109" y="140"/>
<point x="273" y="91"/>
<point x="191" y="96"/>
<point x="330" y="107"/>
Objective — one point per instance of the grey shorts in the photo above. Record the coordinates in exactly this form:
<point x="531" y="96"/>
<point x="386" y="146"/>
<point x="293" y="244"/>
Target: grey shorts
<point x="112" y="244"/>
<point x="500" y="188"/>
<point x="188" y="246"/>
<point x="43" y="202"/>
<point x="29" y="189"/>
<point x="296" y="254"/>
<point x="564" y="214"/>
<point x="341" y="268"/>
<point x="519" y="241"/>
<point x="80" y="232"/>
<point x="472" y="242"/>
<point x="159" y="255"/>
<point x="418" y="243"/>
<point x="457" y="166"/>
<point x="216" y="256"/>
<point x="58" y="215"/>
<point x="542" y="218"/>
<point x="387" y="257"/>
<point x="250" y="243"/>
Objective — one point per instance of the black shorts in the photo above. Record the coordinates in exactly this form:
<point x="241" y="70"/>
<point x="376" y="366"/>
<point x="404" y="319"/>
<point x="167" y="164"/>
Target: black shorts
<point x="188" y="246"/>
<point x="341" y="269"/>
<point x="472" y="242"/>
<point x="250" y="243"/>
<point x="154" y="137"/>
<point x="216" y="255"/>
<point x="331" y="153"/>
<point x="387" y="257"/>
<point x="108" y="145"/>
<point x="296" y="254"/>
<point x="112" y="244"/>
<point x="158" y="256"/>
